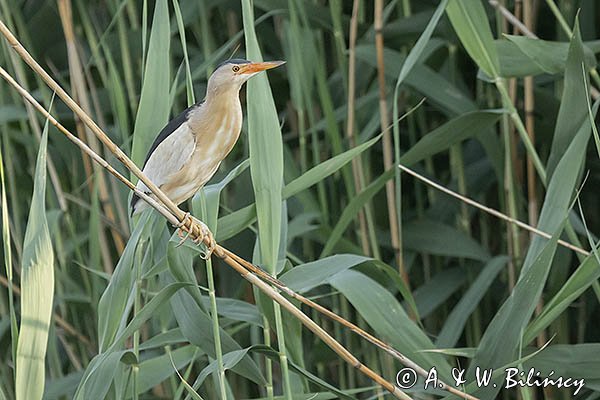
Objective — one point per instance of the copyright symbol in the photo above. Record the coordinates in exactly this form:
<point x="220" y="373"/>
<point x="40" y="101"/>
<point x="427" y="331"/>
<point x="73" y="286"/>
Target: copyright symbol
<point x="406" y="378"/>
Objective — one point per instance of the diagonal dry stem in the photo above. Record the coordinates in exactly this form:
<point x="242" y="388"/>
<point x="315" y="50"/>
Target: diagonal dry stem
<point x="171" y="212"/>
<point x="222" y="252"/>
<point x="330" y="314"/>
<point x="491" y="211"/>
<point x="89" y="122"/>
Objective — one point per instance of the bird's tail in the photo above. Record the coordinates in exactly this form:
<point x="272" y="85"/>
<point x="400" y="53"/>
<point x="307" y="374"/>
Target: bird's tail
<point x="135" y="199"/>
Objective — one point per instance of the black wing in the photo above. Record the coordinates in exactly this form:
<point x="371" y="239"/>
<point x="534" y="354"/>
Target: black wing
<point x="164" y="133"/>
<point x="169" y="129"/>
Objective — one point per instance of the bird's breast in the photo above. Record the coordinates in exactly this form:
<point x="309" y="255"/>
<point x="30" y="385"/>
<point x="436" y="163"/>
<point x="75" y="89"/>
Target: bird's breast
<point x="220" y="132"/>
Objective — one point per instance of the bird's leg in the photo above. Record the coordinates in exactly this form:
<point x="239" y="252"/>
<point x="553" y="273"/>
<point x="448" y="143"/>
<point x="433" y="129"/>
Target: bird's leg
<point x="183" y="235"/>
<point x="206" y="233"/>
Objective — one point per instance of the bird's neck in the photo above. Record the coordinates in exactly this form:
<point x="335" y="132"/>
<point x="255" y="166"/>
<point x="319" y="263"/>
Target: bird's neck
<point x="223" y="100"/>
<point x="219" y="105"/>
<point x="219" y="93"/>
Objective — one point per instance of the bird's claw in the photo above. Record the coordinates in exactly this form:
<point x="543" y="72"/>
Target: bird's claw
<point x="183" y="235"/>
<point x="204" y="233"/>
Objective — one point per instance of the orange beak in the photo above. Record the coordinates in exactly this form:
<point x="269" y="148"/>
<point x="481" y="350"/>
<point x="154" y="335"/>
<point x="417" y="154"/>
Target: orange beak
<point x="258" y="66"/>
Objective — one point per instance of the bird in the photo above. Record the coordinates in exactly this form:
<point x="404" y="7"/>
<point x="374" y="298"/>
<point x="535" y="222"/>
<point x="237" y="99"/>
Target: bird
<point x="187" y="152"/>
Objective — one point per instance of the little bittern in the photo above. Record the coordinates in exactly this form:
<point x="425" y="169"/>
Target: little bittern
<point x="188" y="151"/>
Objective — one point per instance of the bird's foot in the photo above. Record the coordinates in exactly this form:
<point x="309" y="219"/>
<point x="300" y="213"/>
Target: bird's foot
<point x="204" y="233"/>
<point x="183" y="235"/>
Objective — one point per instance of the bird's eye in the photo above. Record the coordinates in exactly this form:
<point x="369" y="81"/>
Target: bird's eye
<point x="235" y="68"/>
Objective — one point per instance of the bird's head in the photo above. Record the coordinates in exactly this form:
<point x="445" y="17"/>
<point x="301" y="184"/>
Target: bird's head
<point x="232" y="74"/>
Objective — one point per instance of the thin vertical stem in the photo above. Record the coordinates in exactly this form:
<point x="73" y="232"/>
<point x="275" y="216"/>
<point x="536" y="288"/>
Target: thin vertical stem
<point x="287" y="385"/>
<point x="8" y="266"/>
<point x="80" y="89"/>
<point x="514" y="115"/>
<point x="511" y="168"/>
<point x="137" y="306"/>
<point x="268" y="362"/>
<point x="35" y="125"/>
<point x="569" y="32"/>
<point x="559" y="17"/>
<point x="188" y="72"/>
<point x="387" y="140"/>
<point x="356" y="162"/>
<point x="509" y="194"/>
<point x="212" y="296"/>
<point x="530" y="125"/>
<point x="216" y="329"/>
<point x="532" y="200"/>
<point x="127" y="64"/>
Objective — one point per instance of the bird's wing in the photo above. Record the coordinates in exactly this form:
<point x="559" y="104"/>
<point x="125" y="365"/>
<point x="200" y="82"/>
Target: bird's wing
<point x="167" y="159"/>
<point x="170" y="155"/>
<point x="170" y="128"/>
<point x="156" y="169"/>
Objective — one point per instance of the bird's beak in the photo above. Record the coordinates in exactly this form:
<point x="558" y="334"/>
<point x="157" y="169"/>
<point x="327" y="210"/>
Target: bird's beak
<point x="252" y="68"/>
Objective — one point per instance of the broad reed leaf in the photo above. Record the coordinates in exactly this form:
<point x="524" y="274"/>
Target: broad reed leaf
<point x="388" y="319"/>
<point x="433" y="85"/>
<point x="149" y="309"/>
<point x="514" y="63"/>
<point x="498" y="375"/>
<point x="455" y="322"/>
<point x="500" y="341"/>
<point x="230" y="360"/>
<point x="573" y="109"/>
<point x="212" y="197"/>
<point x="436" y="291"/>
<point x="569" y="360"/>
<point x="468" y="125"/>
<point x="232" y="224"/>
<point x="115" y="301"/>
<point x="154" y="104"/>
<point x="37" y="289"/>
<point x="196" y="326"/>
<point x="266" y="150"/>
<point x="584" y="276"/>
<point x="101" y="371"/>
<point x="432" y="237"/>
<point x="419" y="47"/>
<point x="157" y="369"/>
<point x="352" y="209"/>
<point x="549" y="57"/>
<point x="305" y="277"/>
<point x="324" y="169"/>
<point x="237" y="221"/>
<point x="561" y="187"/>
<point x="236" y="310"/>
<point x="99" y="375"/>
<point x="470" y="23"/>
<point x="171" y="336"/>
